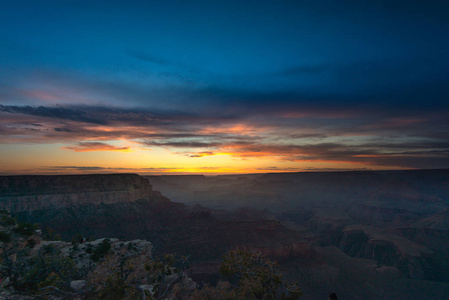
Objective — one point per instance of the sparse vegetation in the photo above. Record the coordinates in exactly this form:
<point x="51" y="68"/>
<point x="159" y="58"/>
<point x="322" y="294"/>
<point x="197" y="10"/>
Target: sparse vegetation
<point x="7" y="221"/>
<point x="26" y="229"/>
<point x="5" y="237"/>
<point x="127" y="272"/>
<point x="77" y="239"/>
<point x="51" y="235"/>
<point x="101" y="250"/>
<point x="252" y="276"/>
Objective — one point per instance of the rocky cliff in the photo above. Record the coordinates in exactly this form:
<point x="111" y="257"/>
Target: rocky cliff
<point x="354" y="232"/>
<point x="29" y="193"/>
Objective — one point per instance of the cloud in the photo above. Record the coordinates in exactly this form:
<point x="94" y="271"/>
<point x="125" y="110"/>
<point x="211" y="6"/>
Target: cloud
<point x="353" y="136"/>
<point x="62" y="113"/>
<point x="65" y="129"/>
<point x="201" y="154"/>
<point x="54" y="170"/>
<point x="312" y="169"/>
<point x="186" y="144"/>
<point x="95" y="146"/>
<point x="79" y="168"/>
<point x="384" y="87"/>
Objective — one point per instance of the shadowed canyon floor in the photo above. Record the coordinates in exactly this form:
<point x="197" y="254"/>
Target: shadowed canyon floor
<point x="370" y="235"/>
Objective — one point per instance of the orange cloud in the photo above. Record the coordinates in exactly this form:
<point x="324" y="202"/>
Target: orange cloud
<point x="95" y="146"/>
<point x="234" y="129"/>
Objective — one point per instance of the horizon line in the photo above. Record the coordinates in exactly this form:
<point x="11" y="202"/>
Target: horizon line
<point x="228" y="174"/>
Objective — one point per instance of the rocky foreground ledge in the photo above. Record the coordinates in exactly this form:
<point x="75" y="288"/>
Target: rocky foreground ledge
<point x="29" y="193"/>
<point x="34" y="267"/>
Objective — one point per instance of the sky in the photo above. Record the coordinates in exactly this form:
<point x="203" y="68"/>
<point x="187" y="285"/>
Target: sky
<point x="218" y="87"/>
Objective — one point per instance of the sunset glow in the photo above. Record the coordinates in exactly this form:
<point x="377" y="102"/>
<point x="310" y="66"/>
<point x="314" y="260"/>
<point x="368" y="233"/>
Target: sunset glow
<point x="221" y="87"/>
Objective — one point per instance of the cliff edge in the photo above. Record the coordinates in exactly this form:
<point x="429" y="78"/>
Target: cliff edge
<point x="28" y="193"/>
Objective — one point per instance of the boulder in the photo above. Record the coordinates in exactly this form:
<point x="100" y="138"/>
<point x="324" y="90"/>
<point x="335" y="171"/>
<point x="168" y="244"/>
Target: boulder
<point x="77" y="285"/>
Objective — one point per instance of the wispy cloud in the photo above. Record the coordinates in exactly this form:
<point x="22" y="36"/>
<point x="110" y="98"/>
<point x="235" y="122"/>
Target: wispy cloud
<point x="61" y="113"/>
<point x="201" y="154"/>
<point x="180" y="144"/>
<point x="154" y="59"/>
<point x="95" y="146"/>
<point x="354" y="137"/>
<point x="73" y="169"/>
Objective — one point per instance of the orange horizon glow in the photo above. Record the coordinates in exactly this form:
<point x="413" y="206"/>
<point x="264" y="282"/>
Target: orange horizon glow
<point x="40" y="145"/>
<point x="249" y="94"/>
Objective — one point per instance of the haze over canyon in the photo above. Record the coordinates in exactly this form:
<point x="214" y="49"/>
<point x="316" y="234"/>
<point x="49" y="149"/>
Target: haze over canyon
<point x="366" y="235"/>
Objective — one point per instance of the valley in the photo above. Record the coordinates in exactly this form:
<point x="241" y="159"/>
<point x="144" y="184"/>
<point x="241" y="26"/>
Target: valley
<point x="367" y="235"/>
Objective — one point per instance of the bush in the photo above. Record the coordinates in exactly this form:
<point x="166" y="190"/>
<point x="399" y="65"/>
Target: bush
<point x="115" y="288"/>
<point x="31" y="243"/>
<point x="101" y="250"/>
<point x="51" y="235"/>
<point x="26" y="229"/>
<point x="5" y="237"/>
<point x="257" y="277"/>
<point x="7" y="221"/>
<point x="77" y="239"/>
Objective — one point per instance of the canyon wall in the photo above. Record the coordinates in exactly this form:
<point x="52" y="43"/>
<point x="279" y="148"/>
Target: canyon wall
<point x="29" y="193"/>
<point x="371" y="235"/>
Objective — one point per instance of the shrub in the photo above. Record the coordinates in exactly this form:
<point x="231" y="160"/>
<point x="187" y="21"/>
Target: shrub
<point x="7" y="221"/>
<point x="5" y="237"/>
<point x="31" y="243"/>
<point x="257" y="276"/>
<point x="25" y="229"/>
<point x="101" y="250"/>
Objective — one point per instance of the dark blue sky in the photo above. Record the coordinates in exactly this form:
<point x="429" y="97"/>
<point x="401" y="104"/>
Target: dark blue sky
<point x="328" y="68"/>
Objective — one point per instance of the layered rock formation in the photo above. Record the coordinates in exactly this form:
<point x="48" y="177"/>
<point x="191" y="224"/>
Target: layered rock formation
<point x="354" y="232"/>
<point x="28" y="193"/>
<point x="363" y="227"/>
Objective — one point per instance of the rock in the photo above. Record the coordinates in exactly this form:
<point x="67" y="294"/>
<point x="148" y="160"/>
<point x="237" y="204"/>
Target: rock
<point x="29" y="193"/>
<point x="147" y="287"/>
<point x="77" y="285"/>
<point x="188" y="283"/>
<point x="10" y="295"/>
<point x="99" y="241"/>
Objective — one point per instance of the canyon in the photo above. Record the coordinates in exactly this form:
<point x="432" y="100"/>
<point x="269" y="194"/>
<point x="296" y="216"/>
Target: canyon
<point x="366" y="235"/>
<point x="29" y="193"/>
